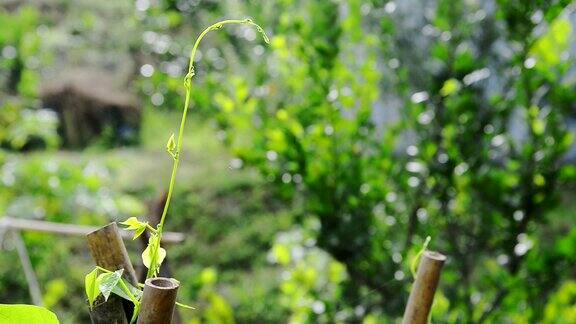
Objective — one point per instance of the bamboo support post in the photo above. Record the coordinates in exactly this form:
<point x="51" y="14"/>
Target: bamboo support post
<point x="109" y="252"/>
<point x="422" y="294"/>
<point x="158" y="301"/>
<point x="110" y="312"/>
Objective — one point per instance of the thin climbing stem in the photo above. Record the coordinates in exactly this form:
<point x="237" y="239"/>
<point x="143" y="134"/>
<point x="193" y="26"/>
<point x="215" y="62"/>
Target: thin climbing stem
<point x="180" y="140"/>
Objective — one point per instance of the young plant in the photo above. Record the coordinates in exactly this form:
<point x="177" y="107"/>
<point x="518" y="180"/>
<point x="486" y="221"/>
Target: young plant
<point x="105" y="282"/>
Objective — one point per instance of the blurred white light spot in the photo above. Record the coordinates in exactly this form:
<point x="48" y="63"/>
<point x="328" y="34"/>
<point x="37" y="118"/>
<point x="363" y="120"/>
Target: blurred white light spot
<point x="419" y="97"/>
<point x="426" y="117"/>
<point x="389" y="220"/>
<point x="271" y="155"/>
<point x="236" y="163"/>
<point x="391" y="197"/>
<point x="390" y="7"/>
<point x="9" y="52"/>
<point x="445" y="36"/>
<point x="329" y="130"/>
<point x="530" y="63"/>
<point x="415" y="167"/>
<point x="147" y="70"/>
<point x="142" y="5"/>
<point x="399" y="275"/>
<point x="318" y="307"/>
<point x="461" y="168"/>
<point x="502" y="259"/>
<point x="476" y="76"/>
<point x="258" y="50"/>
<point x="523" y="246"/>
<point x="422" y="214"/>
<point x="332" y="95"/>
<point x="412" y="150"/>
<point x="157" y="99"/>
<point x="413" y="182"/>
<point x="297" y="178"/>
<point x="286" y="178"/>
<point x="394" y="63"/>
<point x="518" y="215"/>
<point x="365" y="188"/>
<point x="397" y="257"/>
<point x="498" y="140"/>
<point x="442" y="158"/>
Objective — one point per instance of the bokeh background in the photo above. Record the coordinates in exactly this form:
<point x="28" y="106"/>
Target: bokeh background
<point x="313" y="168"/>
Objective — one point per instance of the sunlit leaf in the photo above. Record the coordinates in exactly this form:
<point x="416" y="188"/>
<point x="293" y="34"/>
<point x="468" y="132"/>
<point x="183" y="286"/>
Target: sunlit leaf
<point x="23" y="314"/>
<point x="171" y="144"/>
<point x="91" y="286"/>
<point x="147" y="256"/>
<point x="118" y="290"/>
<point x="133" y="223"/>
<point x="107" y="282"/>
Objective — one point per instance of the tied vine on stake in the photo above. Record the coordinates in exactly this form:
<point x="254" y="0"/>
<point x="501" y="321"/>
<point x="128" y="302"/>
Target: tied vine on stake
<point x="106" y="282"/>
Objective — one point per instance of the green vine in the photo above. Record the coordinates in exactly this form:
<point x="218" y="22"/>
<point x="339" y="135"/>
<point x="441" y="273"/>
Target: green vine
<point x="154" y="254"/>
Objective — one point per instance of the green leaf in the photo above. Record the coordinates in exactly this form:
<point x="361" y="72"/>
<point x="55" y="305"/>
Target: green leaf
<point x="139" y="232"/>
<point x="118" y="290"/>
<point x="24" y="314"/>
<point x="185" y="306"/>
<point x="133" y="223"/>
<point x="107" y="282"/>
<point x="414" y="264"/>
<point x="147" y="254"/>
<point x="171" y="144"/>
<point x="90" y="284"/>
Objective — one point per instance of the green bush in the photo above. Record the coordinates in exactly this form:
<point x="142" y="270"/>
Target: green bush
<point x="474" y="157"/>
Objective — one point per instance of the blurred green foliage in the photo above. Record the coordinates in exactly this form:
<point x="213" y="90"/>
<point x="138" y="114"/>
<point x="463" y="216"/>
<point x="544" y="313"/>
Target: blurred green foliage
<point x="373" y="123"/>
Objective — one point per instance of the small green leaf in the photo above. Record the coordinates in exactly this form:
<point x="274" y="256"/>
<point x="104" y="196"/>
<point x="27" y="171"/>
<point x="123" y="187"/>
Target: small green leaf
<point x="147" y="256"/>
<point x="107" y="282"/>
<point x="26" y="314"/>
<point x="92" y="290"/>
<point x="171" y="144"/>
<point x="185" y="306"/>
<point x="118" y="290"/>
<point x="414" y="265"/>
<point x="139" y="232"/>
<point x="133" y="223"/>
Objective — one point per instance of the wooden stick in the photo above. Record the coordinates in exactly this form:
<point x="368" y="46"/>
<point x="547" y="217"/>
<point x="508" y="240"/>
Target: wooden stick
<point x="71" y="229"/>
<point x="29" y="274"/>
<point x="110" y="312"/>
<point x="422" y="294"/>
<point x="109" y="252"/>
<point x="158" y="301"/>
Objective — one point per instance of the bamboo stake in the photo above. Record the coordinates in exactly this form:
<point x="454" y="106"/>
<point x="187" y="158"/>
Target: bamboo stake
<point x="109" y="252"/>
<point x="110" y="312"/>
<point x="422" y="294"/>
<point x="158" y="301"/>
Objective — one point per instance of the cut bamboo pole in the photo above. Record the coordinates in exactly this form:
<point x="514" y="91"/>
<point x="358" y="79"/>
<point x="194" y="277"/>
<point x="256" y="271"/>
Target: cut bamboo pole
<point x="109" y="252"/>
<point x="110" y="312"/>
<point x="422" y="294"/>
<point x="158" y="301"/>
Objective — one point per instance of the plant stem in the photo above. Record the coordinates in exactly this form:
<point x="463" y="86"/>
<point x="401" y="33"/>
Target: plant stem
<point x="176" y="155"/>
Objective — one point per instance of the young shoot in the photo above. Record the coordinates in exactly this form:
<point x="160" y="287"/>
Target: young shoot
<point x="105" y="282"/>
